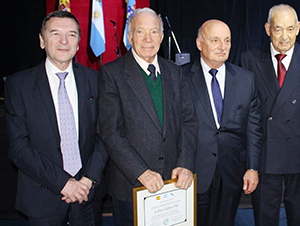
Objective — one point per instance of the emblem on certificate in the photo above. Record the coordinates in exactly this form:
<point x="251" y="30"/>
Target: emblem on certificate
<point x="168" y="206"/>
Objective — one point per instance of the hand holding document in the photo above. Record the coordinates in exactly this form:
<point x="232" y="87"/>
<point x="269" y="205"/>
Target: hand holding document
<point x="168" y="206"/>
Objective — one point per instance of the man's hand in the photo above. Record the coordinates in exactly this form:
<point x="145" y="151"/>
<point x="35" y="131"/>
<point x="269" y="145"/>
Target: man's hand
<point x="75" y="191"/>
<point x="250" y="181"/>
<point x="185" y="177"/>
<point x="151" y="180"/>
<point x="87" y="182"/>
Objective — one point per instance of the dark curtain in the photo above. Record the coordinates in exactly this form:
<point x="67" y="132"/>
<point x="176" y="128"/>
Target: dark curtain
<point x="19" y="42"/>
<point x="246" y="19"/>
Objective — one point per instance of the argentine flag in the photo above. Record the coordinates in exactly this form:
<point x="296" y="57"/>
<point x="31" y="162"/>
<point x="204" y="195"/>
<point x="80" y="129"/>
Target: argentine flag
<point x="97" y="41"/>
<point x="130" y="9"/>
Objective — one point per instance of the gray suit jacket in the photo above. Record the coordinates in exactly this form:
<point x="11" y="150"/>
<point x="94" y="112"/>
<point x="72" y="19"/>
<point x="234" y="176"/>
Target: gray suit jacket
<point x="280" y="110"/>
<point x="130" y="127"/>
<point x="236" y="145"/>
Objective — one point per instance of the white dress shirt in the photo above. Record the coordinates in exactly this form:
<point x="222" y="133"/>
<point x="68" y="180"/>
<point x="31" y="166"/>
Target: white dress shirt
<point x="71" y="88"/>
<point x="221" y="80"/>
<point x="144" y="64"/>
<point x="285" y="61"/>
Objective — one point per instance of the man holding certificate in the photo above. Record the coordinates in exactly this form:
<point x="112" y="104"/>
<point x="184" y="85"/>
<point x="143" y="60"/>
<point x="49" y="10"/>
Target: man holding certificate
<point x="148" y="122"/>
<point x="229" y="135"/>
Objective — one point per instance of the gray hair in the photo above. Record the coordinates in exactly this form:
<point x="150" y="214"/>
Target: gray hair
<point x="280" y="7"/>
<point x="199" y="34"/>
<point x="144" y="10"/>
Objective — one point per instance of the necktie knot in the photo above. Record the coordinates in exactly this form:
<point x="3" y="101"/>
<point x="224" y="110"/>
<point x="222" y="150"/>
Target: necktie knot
<point x="213" y="72"/>
<point x="62" y="75"/>
<point x="280" y="57"/>
<point x="152" y="75"/>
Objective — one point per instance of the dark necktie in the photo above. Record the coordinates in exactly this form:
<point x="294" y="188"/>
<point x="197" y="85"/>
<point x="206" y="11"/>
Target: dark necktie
<point x="68" y="134"/>
<point x="151" y="68"/>
<point x="216" y="92"/>
<point x="281" y="71"/>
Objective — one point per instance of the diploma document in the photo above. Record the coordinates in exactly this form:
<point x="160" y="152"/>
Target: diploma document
<point x="168" y="206"/>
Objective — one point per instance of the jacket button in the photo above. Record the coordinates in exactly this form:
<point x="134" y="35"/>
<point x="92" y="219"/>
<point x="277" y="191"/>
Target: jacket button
<point x="294" y="101"/>
<point x="267" y="100"/>
<point x="288" y="120"/>
<point x="164" y="139"/>
<point x="288" y="138"/>
<point x="161" y="158"/>
<point x="214" y="154"/>
<point x="270" y="118"/>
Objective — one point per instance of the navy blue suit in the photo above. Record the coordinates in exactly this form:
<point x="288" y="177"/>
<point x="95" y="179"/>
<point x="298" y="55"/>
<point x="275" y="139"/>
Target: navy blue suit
<point x="34" y="140"/>
<point x="236" y="145"/>
<point x="280" y="111"/>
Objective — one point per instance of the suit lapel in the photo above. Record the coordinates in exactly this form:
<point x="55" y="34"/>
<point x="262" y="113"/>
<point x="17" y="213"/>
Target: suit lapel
<point x="199" y="85"/>
<point x="44" y="87"/>
<point x="267" y="72"/>
<point x="80" y="85"/>
<point x="167" y="91"/>
<point x="230" y="92"/>
<point x="138" y="85"/>
<point x="291" y="80"/>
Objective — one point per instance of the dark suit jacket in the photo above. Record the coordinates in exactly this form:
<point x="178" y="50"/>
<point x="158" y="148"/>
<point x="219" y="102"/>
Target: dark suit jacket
<point x="280" y="110"/>
<point x="34" y="141"/>
<point x="130" y="127"/>
<point x="239" y="134"/>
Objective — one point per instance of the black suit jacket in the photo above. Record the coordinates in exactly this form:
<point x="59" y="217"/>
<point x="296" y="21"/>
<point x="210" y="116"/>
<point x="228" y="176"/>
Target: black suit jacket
<point x="34" y="141"/>
<point x="130" y="128"/>
<point x="280" y="110"/>
<point x="239" y="134"/>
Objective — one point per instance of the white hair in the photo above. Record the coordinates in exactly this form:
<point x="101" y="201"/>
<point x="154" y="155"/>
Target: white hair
<point x="144" y="10"/>
<point x="280" y="7"/>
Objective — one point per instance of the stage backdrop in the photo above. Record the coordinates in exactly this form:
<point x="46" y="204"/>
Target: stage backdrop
<point x="114" y="10"/>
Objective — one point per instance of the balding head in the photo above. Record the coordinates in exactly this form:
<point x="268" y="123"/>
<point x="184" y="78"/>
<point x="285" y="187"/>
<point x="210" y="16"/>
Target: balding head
<point x="214" y="42"/>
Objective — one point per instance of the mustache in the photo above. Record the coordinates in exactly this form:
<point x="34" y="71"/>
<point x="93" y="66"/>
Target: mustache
<point x="221" y="51"/>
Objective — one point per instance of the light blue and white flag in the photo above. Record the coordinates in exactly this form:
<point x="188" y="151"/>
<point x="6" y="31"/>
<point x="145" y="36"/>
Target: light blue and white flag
<point x="130" y="10"/>
<point x="97" y="41"/>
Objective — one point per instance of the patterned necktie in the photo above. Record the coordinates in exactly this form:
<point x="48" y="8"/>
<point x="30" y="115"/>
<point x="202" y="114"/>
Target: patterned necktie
<point x="151" y="68"/>
<point x="216" y="92"/>
<point x="68" y="134"/>
<point x="281" y="71"/>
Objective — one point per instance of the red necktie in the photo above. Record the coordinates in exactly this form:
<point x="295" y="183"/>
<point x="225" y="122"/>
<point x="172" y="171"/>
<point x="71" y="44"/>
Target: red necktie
<point x="281" y="71"/>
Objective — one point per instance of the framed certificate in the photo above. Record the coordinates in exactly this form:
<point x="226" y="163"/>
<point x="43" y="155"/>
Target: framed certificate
<point x="168" y="206"/>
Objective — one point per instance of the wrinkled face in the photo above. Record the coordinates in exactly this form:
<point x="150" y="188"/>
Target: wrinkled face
<point x="60" y="40"/>
<point x="283" y="30"/>
<point x="214" y="43"/>
<point x="146" y="36"/>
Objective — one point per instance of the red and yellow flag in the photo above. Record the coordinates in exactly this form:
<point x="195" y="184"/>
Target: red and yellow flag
<point x="64" y="5"/>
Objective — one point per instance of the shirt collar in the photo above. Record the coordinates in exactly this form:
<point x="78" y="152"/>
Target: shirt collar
<point x="51" y="69"/>
<point x="274" y="52"/>
<point x="144" y="64"/>
<point x="221" y="70"/>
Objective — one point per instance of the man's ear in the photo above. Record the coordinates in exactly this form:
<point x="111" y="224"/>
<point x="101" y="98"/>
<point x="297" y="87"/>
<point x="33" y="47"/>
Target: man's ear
<point x="198" y="43"/>
<point x="267" y="28"/>
<point x="42" y="42"/>
<point x="129" y="37"/>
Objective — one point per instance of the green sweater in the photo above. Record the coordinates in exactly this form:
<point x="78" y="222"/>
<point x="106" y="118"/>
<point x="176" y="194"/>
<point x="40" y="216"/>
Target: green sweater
<point x="155" y="88"/>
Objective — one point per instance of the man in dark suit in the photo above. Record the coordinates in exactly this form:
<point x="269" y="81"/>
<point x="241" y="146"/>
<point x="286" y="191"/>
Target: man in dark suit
<point x="59" y="163"/>
<point x="147" y="122"/>
<point x="229" y="136"/>
<point x="279" y="97"/>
